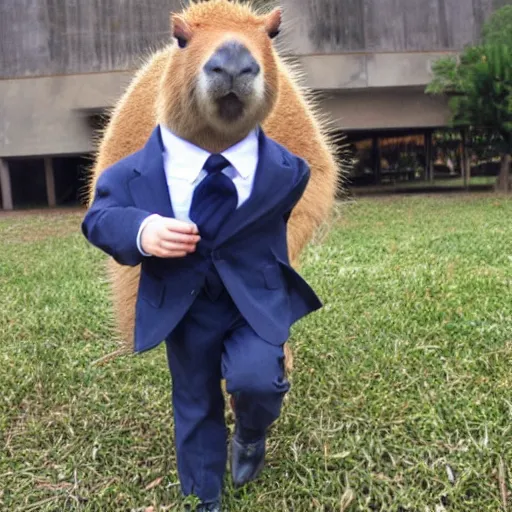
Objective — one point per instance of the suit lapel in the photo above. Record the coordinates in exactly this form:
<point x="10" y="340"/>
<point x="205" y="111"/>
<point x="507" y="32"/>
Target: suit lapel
<point x="272" y="183"/>
<point x="149" y="186"/>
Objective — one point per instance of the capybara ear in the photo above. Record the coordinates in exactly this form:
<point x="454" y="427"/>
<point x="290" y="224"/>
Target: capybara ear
<point x="180" y="30"/>
<point x="273" y="22"/>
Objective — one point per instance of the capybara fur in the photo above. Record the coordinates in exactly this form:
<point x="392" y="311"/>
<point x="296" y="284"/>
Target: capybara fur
<point x="165" y="90"/>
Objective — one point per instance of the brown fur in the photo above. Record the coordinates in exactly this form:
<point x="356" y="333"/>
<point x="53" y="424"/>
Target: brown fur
<point x="158" y="94"/>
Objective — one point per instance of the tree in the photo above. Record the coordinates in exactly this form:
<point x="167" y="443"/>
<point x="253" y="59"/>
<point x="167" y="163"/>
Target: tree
<point x="497" y="30"/>
<point x="478" y="83"/>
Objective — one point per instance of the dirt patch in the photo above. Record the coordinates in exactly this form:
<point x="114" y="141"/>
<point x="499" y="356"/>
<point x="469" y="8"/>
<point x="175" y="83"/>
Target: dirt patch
<point x="37" y="225"/>
<point x="41" y="211"/>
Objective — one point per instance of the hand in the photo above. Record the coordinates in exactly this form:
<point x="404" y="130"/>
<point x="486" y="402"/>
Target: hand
<point x="169" y="238"/>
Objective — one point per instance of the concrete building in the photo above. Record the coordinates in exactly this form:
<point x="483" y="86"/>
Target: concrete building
<point x="63" y="62"/>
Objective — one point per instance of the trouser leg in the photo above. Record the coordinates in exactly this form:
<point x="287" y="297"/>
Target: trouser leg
<point x="194" y="355"/>
<point x="255" y="376"/>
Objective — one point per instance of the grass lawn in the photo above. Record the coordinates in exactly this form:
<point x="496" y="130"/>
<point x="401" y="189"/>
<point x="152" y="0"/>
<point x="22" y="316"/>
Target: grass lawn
<point x="401" y="397"/>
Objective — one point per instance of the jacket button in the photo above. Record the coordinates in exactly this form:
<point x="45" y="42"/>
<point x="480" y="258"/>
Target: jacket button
<point x="193" y="292"/>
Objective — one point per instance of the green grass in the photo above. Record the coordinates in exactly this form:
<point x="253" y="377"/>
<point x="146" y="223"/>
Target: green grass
<point x="401" y="396"/>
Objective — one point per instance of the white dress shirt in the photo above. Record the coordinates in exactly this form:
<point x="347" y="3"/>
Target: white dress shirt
<point x="183" y="167"/>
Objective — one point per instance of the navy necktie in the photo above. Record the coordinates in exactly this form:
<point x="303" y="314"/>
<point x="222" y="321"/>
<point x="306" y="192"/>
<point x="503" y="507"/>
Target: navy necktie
<point x="214" y="199"/>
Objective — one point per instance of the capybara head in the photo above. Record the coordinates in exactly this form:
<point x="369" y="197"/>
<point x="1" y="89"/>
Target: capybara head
<point x="222" y="76"/>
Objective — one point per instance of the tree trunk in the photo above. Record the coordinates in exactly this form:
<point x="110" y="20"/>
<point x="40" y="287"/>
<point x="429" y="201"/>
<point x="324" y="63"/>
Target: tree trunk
<point x="466" y="163"/>
<point x="502" y="183"/>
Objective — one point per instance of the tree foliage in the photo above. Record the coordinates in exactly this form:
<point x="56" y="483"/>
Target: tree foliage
<point x="478" y="83"/>
<point x="498" y="29"/>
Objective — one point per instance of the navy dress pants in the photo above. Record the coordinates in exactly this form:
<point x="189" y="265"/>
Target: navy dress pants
<point x="214" y="342"/>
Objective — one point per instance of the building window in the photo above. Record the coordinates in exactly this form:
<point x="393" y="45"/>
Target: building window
<point x="28" y="183"/>
<point x="71" y="179"/>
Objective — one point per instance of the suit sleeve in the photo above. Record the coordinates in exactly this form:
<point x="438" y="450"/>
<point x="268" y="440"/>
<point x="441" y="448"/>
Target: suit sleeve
<point x="112" y="222"/>
<point x="300" y="186"/>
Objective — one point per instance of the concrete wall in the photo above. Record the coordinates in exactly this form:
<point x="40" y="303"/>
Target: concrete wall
<point x="53" y="37"/>
<point x="392" y="107"/>
<point x="373" y="70"/>
<point x="49" y="115"/>
<point x="345" y="26"/>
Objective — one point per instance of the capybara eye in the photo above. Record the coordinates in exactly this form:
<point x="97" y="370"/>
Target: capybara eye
<point x="182" y="42"/>
<point x="273" y="34"/>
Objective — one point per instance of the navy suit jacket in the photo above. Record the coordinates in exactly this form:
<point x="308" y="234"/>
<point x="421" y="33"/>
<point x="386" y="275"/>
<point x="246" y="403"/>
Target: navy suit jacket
<point x="249" y="253"/>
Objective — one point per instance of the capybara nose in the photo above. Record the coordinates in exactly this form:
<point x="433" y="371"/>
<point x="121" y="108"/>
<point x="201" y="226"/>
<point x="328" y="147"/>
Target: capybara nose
<point x="231" y="61"/>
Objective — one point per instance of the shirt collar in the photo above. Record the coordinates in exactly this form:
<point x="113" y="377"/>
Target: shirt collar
<point x="187" y="160"/>
<point x="243" y="156"/>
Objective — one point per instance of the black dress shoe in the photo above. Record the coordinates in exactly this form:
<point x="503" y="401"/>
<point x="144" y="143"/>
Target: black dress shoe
<point x="213" y="506"/>
<point x="247" y="460"/>
<point x="209" y="507"/>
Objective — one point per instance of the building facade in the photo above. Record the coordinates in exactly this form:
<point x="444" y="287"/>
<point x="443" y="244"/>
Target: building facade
<point x="63" y="62"/>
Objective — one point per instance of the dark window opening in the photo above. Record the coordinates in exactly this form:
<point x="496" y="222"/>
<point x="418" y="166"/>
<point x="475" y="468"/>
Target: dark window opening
<point x="419" y="160"/>
<point x="71" y="179"/>
<point x="28" y="182"/>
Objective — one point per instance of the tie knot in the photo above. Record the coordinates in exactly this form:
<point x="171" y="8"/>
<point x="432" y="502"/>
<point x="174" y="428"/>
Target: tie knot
<point x="216" y="163"/>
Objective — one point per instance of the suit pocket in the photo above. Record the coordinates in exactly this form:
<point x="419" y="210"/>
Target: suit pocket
<point x="298" y="285"/>
<point x="152" y="290"/>
<point x="273" y="276"/>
